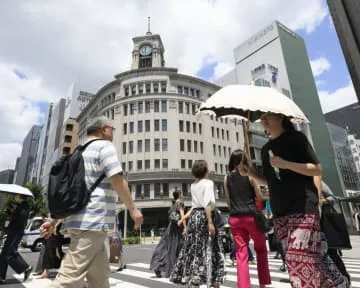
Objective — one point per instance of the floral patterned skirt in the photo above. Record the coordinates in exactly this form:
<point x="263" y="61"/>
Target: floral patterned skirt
<point x="201" y="260"/>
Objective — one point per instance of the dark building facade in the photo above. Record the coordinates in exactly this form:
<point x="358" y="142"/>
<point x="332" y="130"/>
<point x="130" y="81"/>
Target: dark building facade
<point x="345" y="14"/>
<point x="6" y="177"/>
<point x="347" y="117"/>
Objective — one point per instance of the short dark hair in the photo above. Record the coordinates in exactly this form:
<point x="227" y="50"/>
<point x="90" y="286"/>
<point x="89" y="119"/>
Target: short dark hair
<point x="287" y="124"/>
<point x="235" y="158"/>
<point x="176" y="195"/>
<point x="199" y="169"/>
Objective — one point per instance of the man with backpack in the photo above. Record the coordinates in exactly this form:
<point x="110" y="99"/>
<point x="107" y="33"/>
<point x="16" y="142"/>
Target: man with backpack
<point x="89" y="226"/>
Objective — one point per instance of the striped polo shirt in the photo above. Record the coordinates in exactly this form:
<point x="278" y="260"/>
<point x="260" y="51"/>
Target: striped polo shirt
<point x="100" y="158"/>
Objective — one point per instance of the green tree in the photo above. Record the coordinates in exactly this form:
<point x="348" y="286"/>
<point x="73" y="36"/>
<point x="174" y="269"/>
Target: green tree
<point x="37" y="204"/>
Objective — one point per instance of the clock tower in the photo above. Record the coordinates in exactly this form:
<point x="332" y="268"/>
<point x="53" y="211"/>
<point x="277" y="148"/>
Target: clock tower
<point x="148" y="51"/>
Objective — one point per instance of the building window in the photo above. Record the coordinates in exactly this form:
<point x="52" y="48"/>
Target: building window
<point x="229" y="150"/>
<point x="198" y="93"/>
<point x="147" y="190"/>
<point x="156" y="144"/>
<point x="222" y="134"/>
<point x="237" y="137"/>
<point x="219" y="149"/>
<point x="141" y="88"/>
<point x="189" y="164"/>
<point x="218" y="132"/>
<point x="147" y="145"/>
<point x="165" y="189"/>
<point x="124" y="148"/>
<point x="183" y="164"/>
<point x="227" y="135"/>
<point x="214" y="149"/>
<point x="140" y="107"/>
<point x="147" y="125"/>
<point x="139" y="164"/>
<point x="126" y="89"/>
<point x="164" y="144"/>
<point x="123" y="166"/>
<point x="148" y="87"/>
<point x="286" y="92"/>
<point x="66" y="150"/>
<point x="192" y="92"/>
<point x="131" y="147"/>
<point x="195" y="146"/>
<point x="125" y="109"/>
<point x="179" y="89"/>
<point x="69" y="127"/>
<point x="131" y="127"/>
<point x="202" y="147"/>
<point x="147" y="164"/>
<point x="164" y="125"/>
<point x="194" y="127"/>
<point x="165" y="163"/>
<point x="221" y="168"/>
<point x="156" y="125"/>
<point x="212" y="132"/>
<point x="147" y="106"/>
<point x="157" y="189"/>
<point x="186" y="90"/>
<point x="156" y="87"/>
<point x="130" y="165"/>
<point x="133" y="90"/>
<point x="164" y="106"/>
<point x="163" y="87"/>
<point x="193" y="108"/>
<point x="224" y="148"/>
<point x="182" y="145"/>
<point x="216" y="166"/>
<point x="157" y="163"/>
<point x="140" y="126"/>
<point x="189" y="145"/>
<point x="200" y="128"/>
<point x="187" y="108"/>
<point x="156" y="106"/>
<point x="181" y="107"/>
<point x="188" y="126"/>
<point x="181" y="125"/>
<point x="139" y="145"/>
<point x="138" y="194"/>
<point x="68" y="139"/>
<point x="132" y="108"/>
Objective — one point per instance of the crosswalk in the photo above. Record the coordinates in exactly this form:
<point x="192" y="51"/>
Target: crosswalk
<point x="138" y="275"/>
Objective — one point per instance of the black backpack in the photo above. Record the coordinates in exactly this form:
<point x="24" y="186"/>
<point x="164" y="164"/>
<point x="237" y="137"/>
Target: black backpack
<point x="67" y="192"/>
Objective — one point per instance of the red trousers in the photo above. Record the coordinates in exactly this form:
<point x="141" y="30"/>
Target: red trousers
<point x="243" y="227"/>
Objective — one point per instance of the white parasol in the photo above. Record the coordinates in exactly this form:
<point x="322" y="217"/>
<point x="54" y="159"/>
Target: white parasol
<point x="15" y="189"/>
<point x="250" y="102"/>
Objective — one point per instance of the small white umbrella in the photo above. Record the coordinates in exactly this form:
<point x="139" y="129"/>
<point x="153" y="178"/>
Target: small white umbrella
<point x="251" y="102"/>
<point x="15" y="189"/>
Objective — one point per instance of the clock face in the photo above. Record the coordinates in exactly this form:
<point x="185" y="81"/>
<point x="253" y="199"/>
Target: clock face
<point x="145" y="50"/>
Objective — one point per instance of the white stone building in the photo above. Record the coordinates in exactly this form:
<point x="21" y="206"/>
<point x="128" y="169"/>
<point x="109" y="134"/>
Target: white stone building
<point x="159" y="133"/>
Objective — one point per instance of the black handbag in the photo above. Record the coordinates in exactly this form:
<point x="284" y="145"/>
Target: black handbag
<point x="334" y="227"/>
<point x="261" y="222"/>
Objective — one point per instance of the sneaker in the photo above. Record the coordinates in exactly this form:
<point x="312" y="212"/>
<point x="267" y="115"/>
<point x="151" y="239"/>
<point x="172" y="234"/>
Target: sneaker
<point x="119" y="269"/>
<point x="157" y="273"/>
<point x="27" y="273"/>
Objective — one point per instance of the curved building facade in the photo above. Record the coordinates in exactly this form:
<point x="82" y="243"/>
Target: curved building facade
<point x="158" y="132"/>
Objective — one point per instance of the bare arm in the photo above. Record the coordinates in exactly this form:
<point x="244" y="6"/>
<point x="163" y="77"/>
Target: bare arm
<point x="227" y="194"/>
<point x="258" y="193"/>
<point x="121" y="187"/>
<point x="211" y="226"/>
<point x="307" y="169"/>
<point x="182" y="214"/>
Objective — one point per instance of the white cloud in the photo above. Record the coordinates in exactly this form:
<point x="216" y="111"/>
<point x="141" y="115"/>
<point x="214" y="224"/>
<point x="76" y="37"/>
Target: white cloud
<point x="57" y="42"/>
<point x="339" y="98"/>
<point x="319" y="66"/>
<point x="10" y="152"/>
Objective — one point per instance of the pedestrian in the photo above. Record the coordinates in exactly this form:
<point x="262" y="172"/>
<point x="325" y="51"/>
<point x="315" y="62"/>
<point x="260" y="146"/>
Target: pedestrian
<point x="88" y="229"/>
<point x="19" y="210"/>
<point x="167" y="251"/>
<point x="152" y="234"/>
<point x="289" y="165"/>
<point x="53" y="253"/>
<point x="240" y="192"/>
<point x="201" y="259"/>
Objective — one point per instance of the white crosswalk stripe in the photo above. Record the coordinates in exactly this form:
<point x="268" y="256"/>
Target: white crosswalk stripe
<point x="138" y="275"/>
